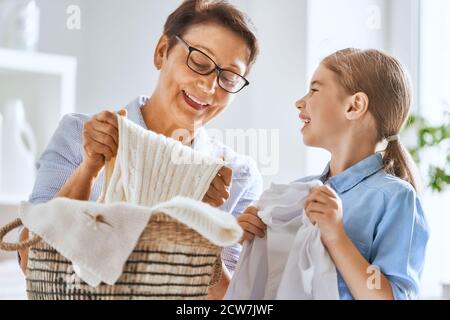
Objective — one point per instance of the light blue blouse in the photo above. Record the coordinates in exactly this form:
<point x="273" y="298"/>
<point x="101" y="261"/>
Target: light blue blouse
<point x="383" y="217"/>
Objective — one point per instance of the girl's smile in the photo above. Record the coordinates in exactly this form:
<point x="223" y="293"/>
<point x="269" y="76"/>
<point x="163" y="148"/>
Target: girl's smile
<point x="305" y="119"/>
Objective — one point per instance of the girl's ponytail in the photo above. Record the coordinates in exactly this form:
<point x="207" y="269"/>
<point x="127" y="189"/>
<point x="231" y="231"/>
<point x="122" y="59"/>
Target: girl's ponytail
<point x="398" y="162"/>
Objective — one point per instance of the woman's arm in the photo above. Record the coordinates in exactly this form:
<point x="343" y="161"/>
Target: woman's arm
<point x="100" y="143"/>
<point x="79" y="185"/>
<point x="217" y="292"/>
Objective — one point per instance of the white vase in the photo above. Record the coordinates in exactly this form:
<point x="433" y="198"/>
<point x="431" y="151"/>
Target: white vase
<point x="19" y="149"/>
<point x="19" y="24"/>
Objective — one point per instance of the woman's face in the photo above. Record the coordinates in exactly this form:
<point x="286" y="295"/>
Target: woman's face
<point x="322" y="110"/>
<point x="191" y="99"/>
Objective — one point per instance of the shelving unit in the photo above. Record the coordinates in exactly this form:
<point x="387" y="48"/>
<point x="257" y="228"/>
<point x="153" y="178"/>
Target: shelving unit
<point x="46" y="85"/>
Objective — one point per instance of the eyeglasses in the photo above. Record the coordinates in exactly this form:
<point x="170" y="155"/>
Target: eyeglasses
<point x="202" y="64"/>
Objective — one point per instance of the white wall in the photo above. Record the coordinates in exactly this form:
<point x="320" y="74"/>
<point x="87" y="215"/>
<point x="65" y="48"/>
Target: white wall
<point x="56" y="38"/>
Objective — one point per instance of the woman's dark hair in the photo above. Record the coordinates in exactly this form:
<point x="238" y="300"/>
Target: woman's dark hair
<point x="194" y="12"/>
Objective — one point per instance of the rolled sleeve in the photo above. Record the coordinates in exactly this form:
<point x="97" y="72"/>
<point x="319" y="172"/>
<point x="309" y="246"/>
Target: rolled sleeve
<point x="400" y="243"/>
<point x="58" y="162"/>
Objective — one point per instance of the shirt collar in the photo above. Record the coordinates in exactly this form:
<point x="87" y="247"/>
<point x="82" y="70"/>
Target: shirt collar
<point x="134" y="112"/>
<point x="355" y="174"/>
<point x="202" y="141"/>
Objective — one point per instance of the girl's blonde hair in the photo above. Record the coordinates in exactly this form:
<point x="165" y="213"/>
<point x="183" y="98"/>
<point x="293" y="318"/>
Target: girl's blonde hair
<point x="384" y="80"/>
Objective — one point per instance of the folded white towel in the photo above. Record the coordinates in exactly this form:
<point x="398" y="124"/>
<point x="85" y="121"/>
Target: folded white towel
<point x="98" y="238"/>
<point x="151" y="174"/>
<point x="291" y="261"/>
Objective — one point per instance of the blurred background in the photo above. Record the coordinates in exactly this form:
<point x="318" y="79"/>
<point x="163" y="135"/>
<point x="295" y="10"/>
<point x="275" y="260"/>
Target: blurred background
<point x="62" y="56"/>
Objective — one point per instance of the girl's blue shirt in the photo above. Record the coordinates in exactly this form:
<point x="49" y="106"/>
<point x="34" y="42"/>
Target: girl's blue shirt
<point x="383" y="217"/>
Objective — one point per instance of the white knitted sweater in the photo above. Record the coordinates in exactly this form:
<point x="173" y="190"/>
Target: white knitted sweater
<point x="148" y="176"/>
<point x="151" y="168"/>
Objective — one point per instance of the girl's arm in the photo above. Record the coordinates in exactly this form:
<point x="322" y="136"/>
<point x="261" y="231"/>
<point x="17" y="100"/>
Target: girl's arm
<point x="251" y="224"/>
<point x="364" y="282"/>
<point x="324" y="207"/>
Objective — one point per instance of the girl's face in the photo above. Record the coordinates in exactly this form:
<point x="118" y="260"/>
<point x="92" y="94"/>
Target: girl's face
<point x="190" y="98"/>
<point x="322" y="110"/>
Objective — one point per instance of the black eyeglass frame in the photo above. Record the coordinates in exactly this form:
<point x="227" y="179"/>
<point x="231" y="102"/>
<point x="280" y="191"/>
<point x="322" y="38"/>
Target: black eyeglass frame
<point x="217" y="67"/>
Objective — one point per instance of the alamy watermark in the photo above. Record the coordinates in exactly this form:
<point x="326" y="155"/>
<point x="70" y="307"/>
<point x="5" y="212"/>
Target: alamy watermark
<point x="73" y="21"/>
<point x="261" y="145"/>
<point x="373" y="21"/>
<point x="374" y="280"/>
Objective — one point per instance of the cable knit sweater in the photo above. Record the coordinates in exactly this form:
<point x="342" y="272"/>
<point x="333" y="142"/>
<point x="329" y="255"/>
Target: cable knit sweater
<point x="151" y="168"/>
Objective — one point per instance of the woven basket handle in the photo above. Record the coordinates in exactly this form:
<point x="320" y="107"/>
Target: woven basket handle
<point x="5" y="246"/>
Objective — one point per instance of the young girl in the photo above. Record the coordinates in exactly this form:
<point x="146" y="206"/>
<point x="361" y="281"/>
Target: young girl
<point x="370" y="218"/>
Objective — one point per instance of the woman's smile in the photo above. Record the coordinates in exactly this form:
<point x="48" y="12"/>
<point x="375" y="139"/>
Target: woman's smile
<point x="195" y="102"/>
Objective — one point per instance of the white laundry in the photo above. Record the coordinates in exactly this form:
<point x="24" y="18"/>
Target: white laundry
<point x="151" y="168"/>
<point x="309" y="273"/>
<point x="146" y="178"/>
<point x="291" y="261"/>
<point x="98" y="238"/>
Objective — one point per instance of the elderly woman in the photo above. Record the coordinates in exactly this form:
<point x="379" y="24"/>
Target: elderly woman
<point x="205" y="53"/>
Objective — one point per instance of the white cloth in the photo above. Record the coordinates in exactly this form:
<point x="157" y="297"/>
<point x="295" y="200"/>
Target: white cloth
<point x="100" y="248"/>
<point x="147" y="177"/>
<point x="290" y="262"/>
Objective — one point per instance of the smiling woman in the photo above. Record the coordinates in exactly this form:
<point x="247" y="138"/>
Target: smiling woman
<point x="190" y="97"/>
<point x="186" y="97"/>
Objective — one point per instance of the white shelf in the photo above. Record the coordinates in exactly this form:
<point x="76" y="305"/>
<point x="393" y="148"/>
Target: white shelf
<point x="12" y="199"/>
<point x="46" y="83"/>
<point x="24" y="64"/>
<point x="18" y="60"/>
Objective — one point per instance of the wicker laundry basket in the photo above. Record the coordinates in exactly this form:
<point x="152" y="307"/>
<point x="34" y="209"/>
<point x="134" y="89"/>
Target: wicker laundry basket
<point x="170" y="261"/>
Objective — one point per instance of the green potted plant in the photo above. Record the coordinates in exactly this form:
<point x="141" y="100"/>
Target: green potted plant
<point x="435" y="138"/>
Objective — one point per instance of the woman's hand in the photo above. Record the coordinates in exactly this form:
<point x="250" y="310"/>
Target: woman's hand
<point x="100" y="140"/>
<point x="218" y="191"/>
<point x="324" y="207"/>
<point x="251" y="224"/>
<point x="23" y="253"/>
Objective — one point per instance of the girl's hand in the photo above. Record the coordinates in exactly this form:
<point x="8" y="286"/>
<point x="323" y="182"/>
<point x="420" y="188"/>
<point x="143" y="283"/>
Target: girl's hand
<point x="251" y="224"/>
<point x="218" y="191"/>
<point x="100" y="140"/>
<point x="324" y="207"/>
